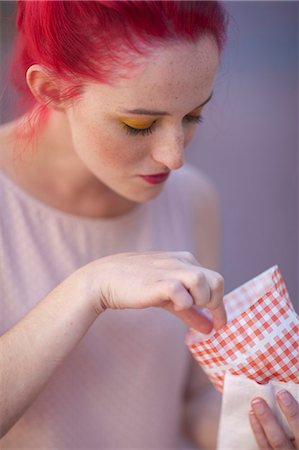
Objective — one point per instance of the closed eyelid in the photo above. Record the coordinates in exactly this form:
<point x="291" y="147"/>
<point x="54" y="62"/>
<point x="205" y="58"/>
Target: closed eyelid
<point x="142" y="124"/>
<point x="196" y="112"/>
<point x="133" y="122"/>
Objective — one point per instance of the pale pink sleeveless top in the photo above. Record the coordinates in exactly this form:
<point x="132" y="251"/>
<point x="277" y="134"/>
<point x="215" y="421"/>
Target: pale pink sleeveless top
<point x="125" y="384"/>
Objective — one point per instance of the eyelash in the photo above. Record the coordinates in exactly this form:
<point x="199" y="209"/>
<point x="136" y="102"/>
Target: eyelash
<point x="149" y="130"/>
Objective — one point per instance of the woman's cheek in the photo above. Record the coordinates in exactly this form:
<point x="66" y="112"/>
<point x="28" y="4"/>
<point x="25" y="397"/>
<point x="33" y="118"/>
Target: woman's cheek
<point x="117" y="147"/>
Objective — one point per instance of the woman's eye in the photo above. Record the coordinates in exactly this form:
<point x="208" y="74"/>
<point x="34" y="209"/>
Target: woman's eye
<point x="141" y="131"/>
<point x="148" y="130"/>
<point x="194" y="119"/>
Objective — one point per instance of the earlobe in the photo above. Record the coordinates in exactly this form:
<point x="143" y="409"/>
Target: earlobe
<point x="44" y="87"/>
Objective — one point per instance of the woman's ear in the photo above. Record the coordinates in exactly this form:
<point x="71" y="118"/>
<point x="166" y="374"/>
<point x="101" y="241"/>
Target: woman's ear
<point x="45" y="88"/>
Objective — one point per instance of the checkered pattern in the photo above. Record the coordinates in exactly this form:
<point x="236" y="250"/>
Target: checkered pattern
<point x="260" y="339"/>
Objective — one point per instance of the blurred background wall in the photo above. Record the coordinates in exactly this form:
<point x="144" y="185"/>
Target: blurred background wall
<point x="248" y="143"/>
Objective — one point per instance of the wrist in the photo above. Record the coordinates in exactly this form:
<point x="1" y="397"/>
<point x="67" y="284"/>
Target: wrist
<point x="88" y="285"/>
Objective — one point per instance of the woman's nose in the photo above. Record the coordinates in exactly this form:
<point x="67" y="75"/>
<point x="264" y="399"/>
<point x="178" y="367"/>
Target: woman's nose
<point x="169" y="151"/>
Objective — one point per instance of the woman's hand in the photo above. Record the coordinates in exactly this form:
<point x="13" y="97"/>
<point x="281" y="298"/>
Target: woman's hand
<point x="267" y="431"/>
<point x="172" y="280"/>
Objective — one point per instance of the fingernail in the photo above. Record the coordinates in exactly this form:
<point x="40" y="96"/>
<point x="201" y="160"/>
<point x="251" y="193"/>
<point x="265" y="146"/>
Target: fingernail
<point x="285" y="398"/>
<point x="258" y="406"/>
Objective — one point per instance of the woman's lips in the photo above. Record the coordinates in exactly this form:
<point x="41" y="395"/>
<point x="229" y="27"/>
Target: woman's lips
<point x="155" y="179"/>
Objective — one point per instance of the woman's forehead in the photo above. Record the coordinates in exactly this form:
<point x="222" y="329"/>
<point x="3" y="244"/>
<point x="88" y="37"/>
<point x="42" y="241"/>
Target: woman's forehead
<point x="175" y="62"/>
<point x="176" y="72"/>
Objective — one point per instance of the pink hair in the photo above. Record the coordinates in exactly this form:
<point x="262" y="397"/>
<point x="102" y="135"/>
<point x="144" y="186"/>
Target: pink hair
<point x="96" y="40"/>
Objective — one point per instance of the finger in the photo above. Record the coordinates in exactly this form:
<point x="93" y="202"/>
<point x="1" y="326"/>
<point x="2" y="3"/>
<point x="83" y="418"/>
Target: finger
<point x="215" y="304"/>
<point x="219" y="317"/>
<point x="290" y="408"/>
<point x="197" y="284"/>
<point x="209" y="292"/>
<point x="258" y="432"/>
<point x="273" y="431"/>
<point x="179" y="302"/>
<point x="193" y="318"/>
<point x="206" y="289"/>
<point x="174" y="291"/>
<point x="188" y="257"/>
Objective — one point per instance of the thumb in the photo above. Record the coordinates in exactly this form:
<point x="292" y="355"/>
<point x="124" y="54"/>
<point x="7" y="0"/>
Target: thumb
<point x="193" y="318"/>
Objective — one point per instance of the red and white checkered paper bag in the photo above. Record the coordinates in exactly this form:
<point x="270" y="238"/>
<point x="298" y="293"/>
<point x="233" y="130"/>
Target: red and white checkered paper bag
<point x="260" y="340"/>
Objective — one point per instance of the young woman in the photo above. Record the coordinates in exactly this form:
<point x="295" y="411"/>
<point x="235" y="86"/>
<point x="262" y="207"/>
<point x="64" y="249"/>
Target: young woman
<point x="103" y="240"/>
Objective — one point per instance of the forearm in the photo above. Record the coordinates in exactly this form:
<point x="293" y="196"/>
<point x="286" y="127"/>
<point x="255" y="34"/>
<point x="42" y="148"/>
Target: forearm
<point x="32" y="350"/>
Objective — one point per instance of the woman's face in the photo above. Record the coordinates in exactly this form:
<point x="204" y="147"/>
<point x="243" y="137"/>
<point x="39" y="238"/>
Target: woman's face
<point x="132" y="134"/>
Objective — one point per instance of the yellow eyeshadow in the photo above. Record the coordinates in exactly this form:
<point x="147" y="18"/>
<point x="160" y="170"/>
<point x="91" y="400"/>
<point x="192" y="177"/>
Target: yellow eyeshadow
<point x="135" y="123"/>
<point x="141" y="123"/>
<point x="196" y="112"/>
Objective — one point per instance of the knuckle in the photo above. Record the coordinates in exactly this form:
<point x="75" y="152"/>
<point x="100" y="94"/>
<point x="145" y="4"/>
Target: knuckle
<point x="217" y="284"/>
<point x="173" y="288"/>
<point x="187" y="256"/>
<point x="198" y="278"/>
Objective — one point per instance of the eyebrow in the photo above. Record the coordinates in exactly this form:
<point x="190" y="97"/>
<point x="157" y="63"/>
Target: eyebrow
<point x="161" y="113"/>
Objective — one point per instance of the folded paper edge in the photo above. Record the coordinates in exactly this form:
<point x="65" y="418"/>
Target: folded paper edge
<point x="194" y="336"/>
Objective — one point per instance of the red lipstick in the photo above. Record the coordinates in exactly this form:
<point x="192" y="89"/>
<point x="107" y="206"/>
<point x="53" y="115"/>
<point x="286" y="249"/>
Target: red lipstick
<point x="155" y="179"/>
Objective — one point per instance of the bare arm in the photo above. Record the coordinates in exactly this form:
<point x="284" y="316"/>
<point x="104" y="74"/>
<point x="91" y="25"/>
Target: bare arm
<point x="32" y="350"/>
